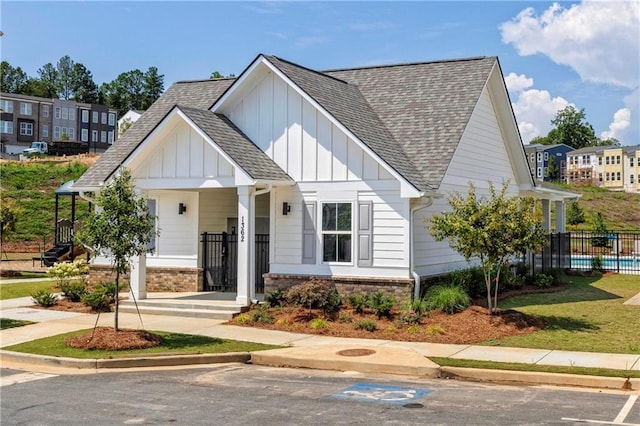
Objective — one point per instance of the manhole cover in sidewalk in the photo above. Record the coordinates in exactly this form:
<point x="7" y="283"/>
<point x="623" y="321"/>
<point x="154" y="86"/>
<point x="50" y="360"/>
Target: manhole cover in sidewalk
<point x="356" y="352"/>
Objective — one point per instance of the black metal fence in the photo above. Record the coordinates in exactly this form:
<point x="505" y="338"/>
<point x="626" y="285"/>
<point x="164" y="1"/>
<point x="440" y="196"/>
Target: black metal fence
<point x="220" y="261"/>
<point x="615" y="251"/>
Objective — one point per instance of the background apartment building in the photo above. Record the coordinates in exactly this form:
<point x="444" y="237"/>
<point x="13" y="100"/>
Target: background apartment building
<point x="539" y="157"/>
<point x="26" y="119"/>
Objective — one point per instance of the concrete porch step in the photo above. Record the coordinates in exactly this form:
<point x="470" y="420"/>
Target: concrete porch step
<point x="179" y="308"/>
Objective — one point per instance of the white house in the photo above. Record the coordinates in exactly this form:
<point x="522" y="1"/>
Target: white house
<point x="286" y="173"/>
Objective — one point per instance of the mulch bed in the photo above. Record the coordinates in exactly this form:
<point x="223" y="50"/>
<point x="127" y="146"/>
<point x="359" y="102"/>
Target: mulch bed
<point x="107" y="338"/>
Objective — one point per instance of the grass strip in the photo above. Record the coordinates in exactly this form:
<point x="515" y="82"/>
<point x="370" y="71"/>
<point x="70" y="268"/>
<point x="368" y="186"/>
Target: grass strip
<point x="173" y="344"/>
<point x="12" y="291"/>
<point x="536" y="368"/>
<point x="26" y="275"/>
<point x="11" y="323"/>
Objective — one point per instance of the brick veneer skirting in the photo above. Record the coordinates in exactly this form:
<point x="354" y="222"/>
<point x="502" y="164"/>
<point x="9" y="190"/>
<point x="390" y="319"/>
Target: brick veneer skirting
<point x="158" y="278"/>
<point x="401" y="289"/>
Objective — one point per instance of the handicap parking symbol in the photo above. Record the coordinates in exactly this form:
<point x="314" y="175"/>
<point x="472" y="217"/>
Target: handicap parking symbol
<point x="386" y="394"/>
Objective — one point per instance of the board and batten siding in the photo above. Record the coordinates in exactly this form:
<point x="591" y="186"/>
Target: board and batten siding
<point x="183" y="154"/>
<point x="299" y="138"/>
<point x="481" y="158"/>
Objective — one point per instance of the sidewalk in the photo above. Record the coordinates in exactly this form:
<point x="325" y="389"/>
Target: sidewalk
<point x="312" y="351"/>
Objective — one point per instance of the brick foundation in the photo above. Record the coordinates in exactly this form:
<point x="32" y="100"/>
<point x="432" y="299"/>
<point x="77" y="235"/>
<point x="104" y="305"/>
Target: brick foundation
<point x="400" y="289"/>
<point x="159" y="279"/>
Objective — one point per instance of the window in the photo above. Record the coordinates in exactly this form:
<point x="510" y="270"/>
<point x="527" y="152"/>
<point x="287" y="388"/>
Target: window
<point x="618" y="176"/>
<point x="617" y="159"/>
<point x="606" y="160"/>
<point x="72" y="133"/>
<point x="72" y="114"/>
<point x="630" y="178"/>
<point x="336" y="232"/>
<point x="546" y="171"/>
<point x="631" y="161"/>
<point x="45" y="131"/>
<point x="110" y="137"/>
<point x="25" y="108"/>
<point x="112" y="119"/>
<point x="64" y="132"/>
<point x="104" y="118"/>
<point x="103" y="136"/>
<point x="94" y="116"/>
<point x="532" y="157"/>
<point x="600" y="177"/>
<point x="94" y="136"/>
<point x="599" y="161"/>
<point x="26" y="129"/>
<point x="65" y="113"/>
<point x="57" y="112"/>
<point x="6" y="106"/>
<point x="539" y="157"/>
<point x="586" y="159"/>
<point x="546" y="156"/>
<point x="151" y="205"/>
<point x="85" y="116"/>
<point x="84" y="135"/>
<point x="56" y="132"/>
<point x="45" y="110"/>
<point x="6" y="127"/>
<point x="539" y="172"/>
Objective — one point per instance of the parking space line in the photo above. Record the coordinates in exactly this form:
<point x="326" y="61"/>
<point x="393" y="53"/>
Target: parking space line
<point x="618" y="421"/>
<point x="625" y="409"/>
<point x="14" y="379"/>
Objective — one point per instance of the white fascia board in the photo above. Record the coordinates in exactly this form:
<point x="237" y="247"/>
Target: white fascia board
<point x="407" y="190"/>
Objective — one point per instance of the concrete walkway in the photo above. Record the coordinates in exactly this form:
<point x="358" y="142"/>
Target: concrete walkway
<point x="310" y="351"/>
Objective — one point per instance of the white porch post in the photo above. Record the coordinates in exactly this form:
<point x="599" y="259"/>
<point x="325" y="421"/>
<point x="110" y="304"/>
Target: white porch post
<point x="546" y="214"/>
<point x="138" y="277"/>
<point x="561" y="226"/>
<point x="244" y="290"/>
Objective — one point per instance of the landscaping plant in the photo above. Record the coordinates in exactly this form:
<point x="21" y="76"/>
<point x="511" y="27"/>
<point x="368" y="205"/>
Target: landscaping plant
<point x="44" y="298"/>
<point x="448" y="299"/>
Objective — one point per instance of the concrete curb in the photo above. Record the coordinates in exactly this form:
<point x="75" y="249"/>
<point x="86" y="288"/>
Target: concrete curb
<point x="150" y="361"/>
<point x="535" y="378"/>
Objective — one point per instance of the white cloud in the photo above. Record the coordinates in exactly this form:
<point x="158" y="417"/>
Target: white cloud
<point x="517" y="83"/>
<point x="600" y="40"/>
<point x="534" y="109"/>
<point x="620" y="123"/>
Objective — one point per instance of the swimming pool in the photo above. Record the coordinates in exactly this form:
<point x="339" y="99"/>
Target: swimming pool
<point x="623" y="264"/>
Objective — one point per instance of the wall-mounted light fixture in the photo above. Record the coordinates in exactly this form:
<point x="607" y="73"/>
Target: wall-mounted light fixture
<point x="286" y="208"/>
<point x="182" y="208"/>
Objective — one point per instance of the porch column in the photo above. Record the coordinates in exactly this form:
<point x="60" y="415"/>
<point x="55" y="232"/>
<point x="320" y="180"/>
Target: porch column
<point x="546" y="214"/>
<point x="138" y="277"/>
<point x="561" y="226"/>
<point x="243" y="296"/>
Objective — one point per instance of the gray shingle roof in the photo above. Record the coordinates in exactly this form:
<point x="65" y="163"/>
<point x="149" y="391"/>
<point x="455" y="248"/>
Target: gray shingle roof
<point x="197" y="94"/>
<point x="238" y="146"/>
<point x="412" y="115"/>
<point x="425" y="106"/>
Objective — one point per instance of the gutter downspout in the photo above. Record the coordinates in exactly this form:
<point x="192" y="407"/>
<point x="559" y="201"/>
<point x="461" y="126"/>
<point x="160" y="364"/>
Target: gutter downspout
<point x="252" y="247"/>
<point x="414" y="274"/>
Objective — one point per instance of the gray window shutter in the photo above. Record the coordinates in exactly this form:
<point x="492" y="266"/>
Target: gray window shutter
<point x="365" y="233"/>
<point x="309" y="233"/>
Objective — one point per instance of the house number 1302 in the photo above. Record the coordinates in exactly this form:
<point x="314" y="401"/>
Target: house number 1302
<point x="242" y="231"/>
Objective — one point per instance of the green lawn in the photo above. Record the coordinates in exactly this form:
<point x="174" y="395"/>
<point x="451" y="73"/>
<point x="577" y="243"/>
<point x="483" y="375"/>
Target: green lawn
<point x="11" y="291"/>
<point x="26" y="275"/>
<point x="174" y="343"/>
<point x="587" y="316"/>
<point x="11" y="323"/>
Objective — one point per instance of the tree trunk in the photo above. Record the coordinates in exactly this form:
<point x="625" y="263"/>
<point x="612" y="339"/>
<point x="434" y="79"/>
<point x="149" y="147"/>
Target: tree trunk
<point x="115" y="324"/>
<point x="495" y="299"/>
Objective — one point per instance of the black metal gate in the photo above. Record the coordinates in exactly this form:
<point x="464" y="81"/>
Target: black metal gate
<point x="220" y="261"/>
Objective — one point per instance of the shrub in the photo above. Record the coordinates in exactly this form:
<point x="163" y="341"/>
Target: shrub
<point x="410" y="316"/>
<point x="275" y="298"/>
<point x="63" y="272"/>
<point x="318" y="323"/>
<point x="262" y="316"/>
<point x="44" y="298"/>
<point x="434" y="330"/>
<point x="381" y="304"/>
<point x="73" y="290"/>
<point x="101" y="297"/>
<point x="543" y="281"/>
<point x="358" y="302"/>
<point x="367" y="325"/>
<point x="413" y="329"/>
<point x="345" y="317"/>
<point x="315" y="294"/>
<point x="597" y="263"/>
<point x="242" y="319"/>
<point x="470" y="279"/>
<point x="448" y="299"/>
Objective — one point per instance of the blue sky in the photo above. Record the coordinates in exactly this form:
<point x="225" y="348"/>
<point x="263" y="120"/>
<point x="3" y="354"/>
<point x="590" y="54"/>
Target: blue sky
<point x="585" y="54"/>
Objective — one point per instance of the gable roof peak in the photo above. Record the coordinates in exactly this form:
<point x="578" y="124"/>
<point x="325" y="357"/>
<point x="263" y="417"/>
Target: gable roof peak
<point x="271" y="58"/>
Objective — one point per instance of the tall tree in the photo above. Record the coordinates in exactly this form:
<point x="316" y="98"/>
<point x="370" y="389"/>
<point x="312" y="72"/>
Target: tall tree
<point x="40" y="88"/>
<point x="12" y="80"/>
<point x="48" y="75"/>
<point x="153" y="87"/>
<point x="120" y="228"/>
<point x="492" y="230"/>
<point x="572" y="129"/>
<point x="82" y="85"/>
<point x="65" y="77"/>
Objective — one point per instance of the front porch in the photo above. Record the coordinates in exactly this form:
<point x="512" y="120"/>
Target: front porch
<point x="212" y="305"/>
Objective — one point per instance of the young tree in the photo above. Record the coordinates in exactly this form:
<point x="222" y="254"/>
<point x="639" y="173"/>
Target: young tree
<point x="120" y="228"/>
<point x="153" y="87"/>
<point x="492" y="230"/>
<point x="575" y="214"/>
<point x="553" y="171"/>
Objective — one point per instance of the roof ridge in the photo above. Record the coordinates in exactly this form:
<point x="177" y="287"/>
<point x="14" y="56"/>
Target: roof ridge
<point x="321" y="73"/>
<point x="203" y="80"/>
<point x="404" y="64"/>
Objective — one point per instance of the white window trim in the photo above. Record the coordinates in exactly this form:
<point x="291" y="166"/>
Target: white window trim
<point x="323" y="233"/>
